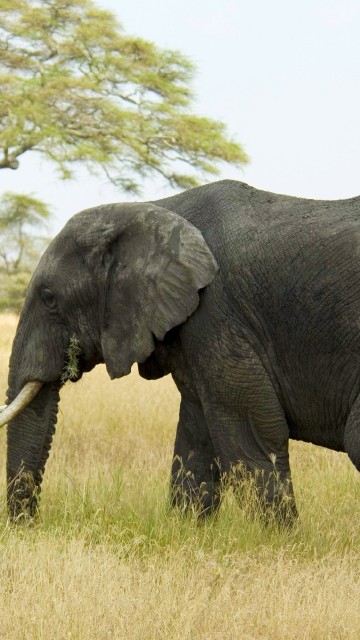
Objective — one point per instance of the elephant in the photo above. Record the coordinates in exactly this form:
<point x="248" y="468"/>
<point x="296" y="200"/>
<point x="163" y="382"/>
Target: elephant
<point x="249" y="299"/>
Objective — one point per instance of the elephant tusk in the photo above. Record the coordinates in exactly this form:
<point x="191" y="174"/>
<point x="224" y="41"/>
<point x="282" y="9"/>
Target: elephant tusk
<point x="24" y="397"/>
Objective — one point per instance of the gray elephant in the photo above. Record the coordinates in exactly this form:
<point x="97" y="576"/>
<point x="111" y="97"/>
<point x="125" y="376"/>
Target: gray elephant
<point x="250" y="300"/>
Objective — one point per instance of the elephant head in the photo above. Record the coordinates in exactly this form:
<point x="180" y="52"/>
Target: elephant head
<point x="116" y="278"/>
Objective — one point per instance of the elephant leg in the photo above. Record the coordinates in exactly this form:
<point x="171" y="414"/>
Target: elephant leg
<point x="352" y="434"/>
<point x="195" y="478"/>
<point x="256" y="446"/>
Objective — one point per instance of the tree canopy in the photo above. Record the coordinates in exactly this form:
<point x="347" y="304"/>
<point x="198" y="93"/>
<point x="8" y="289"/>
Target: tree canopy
<point x="77" y="89"/>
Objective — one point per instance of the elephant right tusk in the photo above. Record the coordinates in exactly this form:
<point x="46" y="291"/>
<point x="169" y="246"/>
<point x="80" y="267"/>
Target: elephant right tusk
<point x="24" y="397"/>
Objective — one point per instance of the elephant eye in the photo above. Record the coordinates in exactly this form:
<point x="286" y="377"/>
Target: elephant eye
<point x="48" y="298"/>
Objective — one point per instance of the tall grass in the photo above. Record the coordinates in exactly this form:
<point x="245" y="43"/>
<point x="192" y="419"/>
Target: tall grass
<point x="109" y="559"/>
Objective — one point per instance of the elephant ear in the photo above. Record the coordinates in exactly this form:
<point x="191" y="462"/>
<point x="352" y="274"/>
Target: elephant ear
<point x="152" y="265"/>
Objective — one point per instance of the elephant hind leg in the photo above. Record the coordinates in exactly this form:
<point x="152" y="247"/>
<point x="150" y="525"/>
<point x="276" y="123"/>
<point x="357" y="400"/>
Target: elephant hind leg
<point x="195" y="478"/>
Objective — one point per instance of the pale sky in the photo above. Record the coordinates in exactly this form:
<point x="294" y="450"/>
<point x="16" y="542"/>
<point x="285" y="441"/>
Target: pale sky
<point x="283" y="75"/>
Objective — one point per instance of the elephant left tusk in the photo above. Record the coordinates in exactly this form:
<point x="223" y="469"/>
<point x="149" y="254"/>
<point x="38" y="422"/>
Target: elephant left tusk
<point x="27" y="393"/>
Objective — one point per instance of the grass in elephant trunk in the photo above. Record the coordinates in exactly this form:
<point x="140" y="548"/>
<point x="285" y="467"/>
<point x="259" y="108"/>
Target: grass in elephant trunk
<point x="107" y="555"/>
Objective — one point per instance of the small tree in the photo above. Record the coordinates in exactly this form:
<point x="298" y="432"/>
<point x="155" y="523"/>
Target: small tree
<point x="76" y="89"/>
<point x="22" y="240"/>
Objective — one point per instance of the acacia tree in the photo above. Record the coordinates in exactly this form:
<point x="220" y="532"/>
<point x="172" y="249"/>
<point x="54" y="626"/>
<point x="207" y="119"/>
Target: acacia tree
<point x="77" y="89"/>
<point x="22" y="238"/>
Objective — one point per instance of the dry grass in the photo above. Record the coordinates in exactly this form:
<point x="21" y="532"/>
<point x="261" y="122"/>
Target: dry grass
<point x="108" y="559"/>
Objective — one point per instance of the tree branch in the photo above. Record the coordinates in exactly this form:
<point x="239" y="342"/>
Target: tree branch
<point x="8" y="161"/>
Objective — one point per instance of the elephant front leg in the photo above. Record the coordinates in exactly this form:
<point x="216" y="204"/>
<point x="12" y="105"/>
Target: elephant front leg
<point x="352" y="434"/>
<point x="195" y="478"/>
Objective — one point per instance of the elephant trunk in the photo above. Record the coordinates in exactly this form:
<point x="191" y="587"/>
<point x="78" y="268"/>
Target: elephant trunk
<point x="38" y="355"/>
<point x="29" y="439"/>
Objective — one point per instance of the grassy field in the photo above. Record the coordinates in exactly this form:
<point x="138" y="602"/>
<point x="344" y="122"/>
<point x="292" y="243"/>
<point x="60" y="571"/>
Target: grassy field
<point x="108" y="559"/>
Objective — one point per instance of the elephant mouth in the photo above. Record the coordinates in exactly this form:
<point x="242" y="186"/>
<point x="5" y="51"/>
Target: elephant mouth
<point x="77" y="362"/>
<point x="72" y="369"/>
<point x="83" y="366"/>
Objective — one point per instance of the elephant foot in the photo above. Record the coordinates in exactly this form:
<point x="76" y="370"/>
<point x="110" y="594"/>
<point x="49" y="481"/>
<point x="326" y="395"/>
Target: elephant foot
<point x="277" y="497"/>
<point x="281" y="511"/>
<point x="22" y="498"/>
<point x="195" y="484"/>
<point x="264" y="494"/>
<point x="203" y="500"/>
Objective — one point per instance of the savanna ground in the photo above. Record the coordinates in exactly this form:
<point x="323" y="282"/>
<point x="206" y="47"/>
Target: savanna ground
<point x="108" y="559"/>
